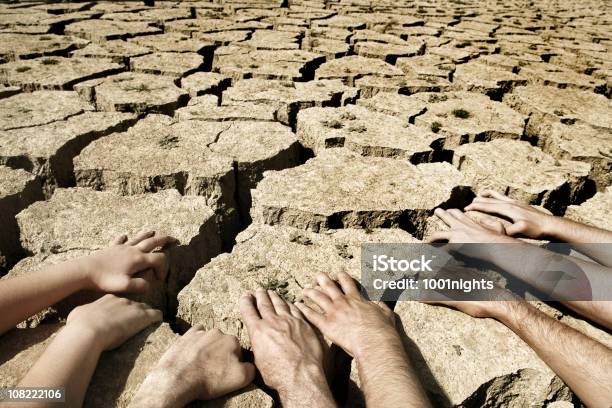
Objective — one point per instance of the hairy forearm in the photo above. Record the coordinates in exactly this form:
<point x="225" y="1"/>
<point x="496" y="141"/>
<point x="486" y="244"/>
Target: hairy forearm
<point x="68" y="362"/>
<point x="584" y="364"/>
<point x="387" y="377"/>
<point x="308" y="389"/>
<point x="597" y="311"/>
<point x="24" y="296"/>
<point x="566" y="230"/>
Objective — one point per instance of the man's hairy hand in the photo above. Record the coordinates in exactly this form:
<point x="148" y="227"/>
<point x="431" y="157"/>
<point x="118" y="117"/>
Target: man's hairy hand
<point x="200" y="365"/>
<point x="526" y="220"/>
<point x="120" y="267"/>
<point x="288" y="352"/>
<point x="111" y="320"/>
<point x="350" y="321"/>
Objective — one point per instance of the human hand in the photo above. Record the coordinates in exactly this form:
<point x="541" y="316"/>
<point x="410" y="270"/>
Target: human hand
<point x="526" y="220"/>
<point x="201" y="365"/>
<point x="350" y="321"/>
<point x="288" y="352"/>
<point x="111" y="320"/>
<point x="114" y="269"/>
<point x="463" y="229"/>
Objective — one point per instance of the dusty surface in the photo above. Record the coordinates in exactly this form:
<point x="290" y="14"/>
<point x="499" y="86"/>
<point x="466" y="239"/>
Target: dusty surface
<point x="310" y="126"/>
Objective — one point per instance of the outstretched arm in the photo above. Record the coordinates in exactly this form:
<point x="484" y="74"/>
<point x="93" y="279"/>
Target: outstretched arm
<point x="530" y="222"/>
<point x="581" y="280"/>
<point x="108" y="270"/>
<point x="366" y="331"/>
<point x="71" y="358"/>
<point x="584" y="364"/>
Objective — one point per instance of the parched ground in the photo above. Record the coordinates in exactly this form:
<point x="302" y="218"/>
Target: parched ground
<point x="274" y="137"/>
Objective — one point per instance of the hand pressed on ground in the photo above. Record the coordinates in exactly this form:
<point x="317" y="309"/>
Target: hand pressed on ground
<point x="366" y="330"/>
<point x="288" y="352"/>
<point x="72" y="356"/>
<point x="201" y="365"/>
<point x="123" y="267"/>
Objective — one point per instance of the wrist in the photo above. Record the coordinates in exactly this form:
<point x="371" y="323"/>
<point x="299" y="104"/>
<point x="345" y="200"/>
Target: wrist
<point x="83" y="271"/>
<point x="511" y="313"/>
<point x="552" y="226"/>
<point x="373" y="346"/>
<point x="78" y="335"/>
<point x="162" y="388"/>
<point x="308" y="381"/>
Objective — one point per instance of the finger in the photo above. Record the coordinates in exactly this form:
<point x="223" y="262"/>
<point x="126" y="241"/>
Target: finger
<point x="138" y="285"/>
<point x="295" y="312"/>
<point x="320" y="298"/>
<point x="495" y="194"/>
<point x="348" y="285"/>
<point x="317" y="319"/>
<point x="459" y="215"/>
<point x="140" y="236"/>
<point x="264" y="304"/>
<point x="121" y="239"/>
<point x="156" y="241"/>
<point x="446" y="217"/>
<point x="280" y="306"/>
<point x="328" y="286"/>
<point x="439" y="236"/>
<point x="495" y="226"/>
<point x="249" y="313"/>
<point x="490" y="208"/>
<point x="159" y="263"/>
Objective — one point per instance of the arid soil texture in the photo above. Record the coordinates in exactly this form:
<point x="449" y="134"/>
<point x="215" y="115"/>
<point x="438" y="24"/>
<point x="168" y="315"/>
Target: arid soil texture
<point x="273" y="137"/>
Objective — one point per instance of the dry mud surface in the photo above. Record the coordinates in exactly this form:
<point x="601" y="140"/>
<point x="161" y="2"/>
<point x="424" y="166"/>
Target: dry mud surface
<point x="274" y="137"/>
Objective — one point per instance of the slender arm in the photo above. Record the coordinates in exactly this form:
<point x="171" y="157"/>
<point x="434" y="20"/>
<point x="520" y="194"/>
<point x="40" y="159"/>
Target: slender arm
<point x="24" y="296"/>
<point x="68" y="362"/>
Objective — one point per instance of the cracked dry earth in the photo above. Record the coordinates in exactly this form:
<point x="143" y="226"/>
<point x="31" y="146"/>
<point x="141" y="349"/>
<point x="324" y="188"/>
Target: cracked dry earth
<point x="274" y="137"/>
